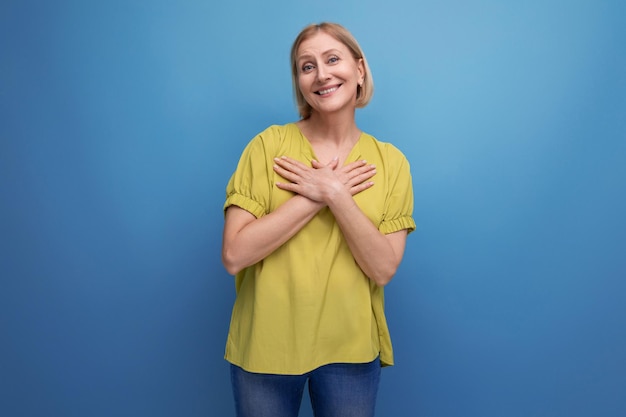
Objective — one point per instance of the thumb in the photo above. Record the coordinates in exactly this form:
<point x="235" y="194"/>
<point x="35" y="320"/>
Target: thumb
<point x="333" y="164"/>
<point x="316" y="164"/>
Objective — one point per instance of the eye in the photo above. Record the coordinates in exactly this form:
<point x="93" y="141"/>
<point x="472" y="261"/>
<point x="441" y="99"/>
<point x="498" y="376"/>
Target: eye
<point x="308" y="67"/>
<point x="333" y="59"/>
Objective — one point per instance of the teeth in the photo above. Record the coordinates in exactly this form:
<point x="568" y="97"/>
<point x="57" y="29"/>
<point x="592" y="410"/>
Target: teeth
<point x="330" y="90"/>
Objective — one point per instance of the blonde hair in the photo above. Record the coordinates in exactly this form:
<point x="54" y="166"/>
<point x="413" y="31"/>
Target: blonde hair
<point x="364" y="92"/>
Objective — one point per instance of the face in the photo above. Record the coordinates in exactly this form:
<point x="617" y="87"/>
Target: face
<point x="328" y="75"/>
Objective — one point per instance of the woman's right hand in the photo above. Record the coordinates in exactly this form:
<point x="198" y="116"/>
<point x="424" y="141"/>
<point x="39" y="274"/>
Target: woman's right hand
<point x="354" y="176"/>
<point x="320" y="182"/>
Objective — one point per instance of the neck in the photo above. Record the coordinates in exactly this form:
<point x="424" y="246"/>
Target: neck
<point x="334" y="128"/>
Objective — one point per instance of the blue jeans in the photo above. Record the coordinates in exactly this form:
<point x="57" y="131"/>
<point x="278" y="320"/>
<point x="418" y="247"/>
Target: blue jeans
<point x="336" y="390"/>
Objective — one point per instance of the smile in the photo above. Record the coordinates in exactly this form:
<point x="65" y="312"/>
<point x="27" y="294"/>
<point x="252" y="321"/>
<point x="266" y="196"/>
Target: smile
<point x="327" y="91"/>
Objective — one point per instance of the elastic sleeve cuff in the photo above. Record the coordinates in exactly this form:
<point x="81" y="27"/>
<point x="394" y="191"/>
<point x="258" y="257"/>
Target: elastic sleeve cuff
<point x="245" y="203"/>
<point x="395" y="225"/>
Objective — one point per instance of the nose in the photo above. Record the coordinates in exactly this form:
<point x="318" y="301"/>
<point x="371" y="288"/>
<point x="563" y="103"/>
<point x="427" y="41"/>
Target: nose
<point x="322" y="73"/>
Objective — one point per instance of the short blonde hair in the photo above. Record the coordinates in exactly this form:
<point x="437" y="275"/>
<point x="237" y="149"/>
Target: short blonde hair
<point x="364" y="92"/>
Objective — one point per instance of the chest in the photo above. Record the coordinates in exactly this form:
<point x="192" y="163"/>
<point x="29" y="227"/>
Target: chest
<point x="372" y="202"/>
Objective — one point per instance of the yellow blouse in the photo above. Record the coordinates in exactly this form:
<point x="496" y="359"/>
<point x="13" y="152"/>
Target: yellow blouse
<point x="308" y="303"/>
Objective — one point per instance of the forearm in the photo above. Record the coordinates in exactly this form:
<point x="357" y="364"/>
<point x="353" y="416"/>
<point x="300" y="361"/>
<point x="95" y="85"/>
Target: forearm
<point x="373" y="251"/>
<point x="378" y="255"/>
<point x="258" y="238"/>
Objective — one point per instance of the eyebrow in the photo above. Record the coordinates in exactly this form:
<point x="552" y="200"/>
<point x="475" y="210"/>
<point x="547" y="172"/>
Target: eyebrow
<point x="328" y="52"/>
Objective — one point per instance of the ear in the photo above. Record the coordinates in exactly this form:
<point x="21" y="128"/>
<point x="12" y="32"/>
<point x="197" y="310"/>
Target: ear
<point x="361" y="69"/>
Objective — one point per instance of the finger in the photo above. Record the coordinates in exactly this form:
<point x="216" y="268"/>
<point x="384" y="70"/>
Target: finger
<point x="287" y="174"/>
<point x="354" y="190"/>
<point x="317" y="164"/>
<point x="288" y="186"/>
<point x="358" y="179"/>
<point x="290" y="164"/>
<point x="358" y="175"/>
<point x="354" y="165"/>
<point x="361" y="170"/>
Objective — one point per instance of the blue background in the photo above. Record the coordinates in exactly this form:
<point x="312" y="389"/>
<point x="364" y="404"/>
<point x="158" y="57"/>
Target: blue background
<point x="121" y="122"/>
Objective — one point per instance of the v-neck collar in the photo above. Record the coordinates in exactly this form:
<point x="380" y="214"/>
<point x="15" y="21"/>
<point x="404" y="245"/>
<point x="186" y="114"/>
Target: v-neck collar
<point x="308" y="153"/>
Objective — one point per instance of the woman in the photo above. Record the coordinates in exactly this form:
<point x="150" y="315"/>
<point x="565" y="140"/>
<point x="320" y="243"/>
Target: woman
<point x="316" y="219"/>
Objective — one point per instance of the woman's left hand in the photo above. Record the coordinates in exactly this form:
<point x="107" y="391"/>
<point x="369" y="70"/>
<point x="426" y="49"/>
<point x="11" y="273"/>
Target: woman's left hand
<point x="320" y="182"/>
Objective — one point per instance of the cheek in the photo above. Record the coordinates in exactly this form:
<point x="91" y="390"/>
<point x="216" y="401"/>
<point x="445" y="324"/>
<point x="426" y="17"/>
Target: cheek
<point x="357" y="73"/>
<point x="303" y="83"/>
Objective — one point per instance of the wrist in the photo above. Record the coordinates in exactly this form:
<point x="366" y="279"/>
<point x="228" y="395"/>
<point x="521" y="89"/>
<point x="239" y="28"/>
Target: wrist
<point x="340" y="199"/>
<point x="309" y="203"/>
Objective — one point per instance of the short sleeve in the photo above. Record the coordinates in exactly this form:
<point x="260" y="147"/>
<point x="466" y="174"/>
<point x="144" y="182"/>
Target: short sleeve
<point x="398" y="213"/>
<point x="250" y="185"/>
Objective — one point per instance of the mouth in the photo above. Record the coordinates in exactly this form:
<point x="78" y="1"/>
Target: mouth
<point x="328" y="90"/>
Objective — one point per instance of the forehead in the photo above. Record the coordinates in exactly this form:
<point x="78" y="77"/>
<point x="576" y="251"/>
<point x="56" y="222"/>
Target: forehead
<point x="320" y="43"/>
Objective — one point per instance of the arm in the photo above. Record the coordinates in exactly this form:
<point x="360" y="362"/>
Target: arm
<point x="377" y="254"/>
<point x="247" y="240"/>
